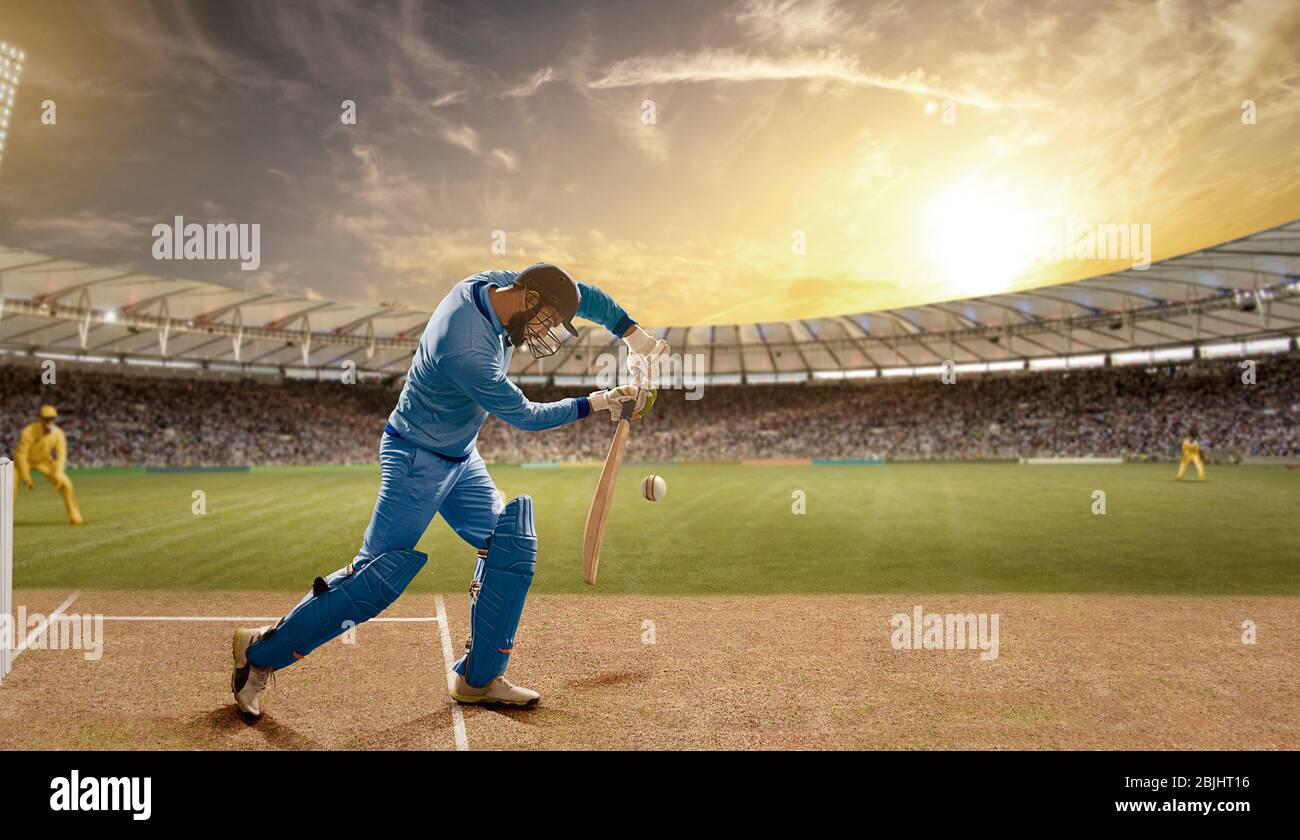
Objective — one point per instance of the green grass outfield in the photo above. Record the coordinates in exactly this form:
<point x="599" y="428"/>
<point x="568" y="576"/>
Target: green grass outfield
<point x="720" y="529"/>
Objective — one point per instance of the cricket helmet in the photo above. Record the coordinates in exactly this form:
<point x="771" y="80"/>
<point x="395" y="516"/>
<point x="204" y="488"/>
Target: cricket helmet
<point x="48" y="412"/>
<point x="551" y="299"/>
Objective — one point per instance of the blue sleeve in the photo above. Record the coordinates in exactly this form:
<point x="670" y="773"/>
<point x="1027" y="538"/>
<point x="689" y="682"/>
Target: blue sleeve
<point x="597" y="306"/>
<point x="593" y="304"/>
<point x="497" y="277"/>
<point x="483" y="381"/>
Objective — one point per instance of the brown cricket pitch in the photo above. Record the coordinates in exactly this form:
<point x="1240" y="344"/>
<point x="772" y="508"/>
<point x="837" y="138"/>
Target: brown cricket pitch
<point x="734" y="672"/>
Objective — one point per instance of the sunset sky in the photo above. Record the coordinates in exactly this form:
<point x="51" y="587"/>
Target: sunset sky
<point x="914" y="146"/>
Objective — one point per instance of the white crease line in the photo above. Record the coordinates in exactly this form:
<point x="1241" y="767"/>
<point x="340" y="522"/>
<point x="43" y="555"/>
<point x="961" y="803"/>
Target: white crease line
<point x="246" y="619"/>
<point x="457" y="716"/>
<point x="41" y="628"/>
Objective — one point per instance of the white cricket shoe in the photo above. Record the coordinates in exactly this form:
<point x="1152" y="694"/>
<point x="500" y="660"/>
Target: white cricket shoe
<point x="248" y="681"/>
<point x="500" y="690"/>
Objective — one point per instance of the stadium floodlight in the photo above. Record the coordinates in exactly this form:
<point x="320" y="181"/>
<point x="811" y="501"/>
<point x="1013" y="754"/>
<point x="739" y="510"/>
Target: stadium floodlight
<point x="11" y="71"/>
<point x="1218" y="351"/>
<point x="1170" y="354"/>
<point x="1242" y="348"/>
<point x="1145" y="357"/>
<point x="1130" y="357"/>
<point x="1268" y="345"/>
<point x="61" y="357"/>
<point x="1062" y="362"/>
<point x="94" y="360"/>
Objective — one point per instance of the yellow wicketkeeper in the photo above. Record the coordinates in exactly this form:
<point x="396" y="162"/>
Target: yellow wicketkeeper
<point x="1191" y="455"/>
<point x="44" y="448"/>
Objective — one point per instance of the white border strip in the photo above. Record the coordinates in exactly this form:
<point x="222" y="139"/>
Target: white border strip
<point x="40" y="629"/>
<point x="457" y="716"/>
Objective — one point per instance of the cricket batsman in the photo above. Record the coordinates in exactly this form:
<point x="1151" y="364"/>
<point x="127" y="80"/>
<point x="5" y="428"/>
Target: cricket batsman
<point x="43" y="447"/>
<point x="430" y="464"/>
<point x="1191" y="455"/>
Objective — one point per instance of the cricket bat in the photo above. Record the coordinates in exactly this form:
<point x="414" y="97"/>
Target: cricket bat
<point x="598" y="514"/>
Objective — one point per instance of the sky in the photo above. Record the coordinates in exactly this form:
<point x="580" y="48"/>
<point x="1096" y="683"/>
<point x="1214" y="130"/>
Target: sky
<point x="703" y="162"/>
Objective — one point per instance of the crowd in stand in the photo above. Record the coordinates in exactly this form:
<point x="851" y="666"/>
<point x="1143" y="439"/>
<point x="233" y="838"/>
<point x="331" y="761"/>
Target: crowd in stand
<point x="1132" y="412"/>
<point x="120" y="420"/>
<point x="123" y="420"/>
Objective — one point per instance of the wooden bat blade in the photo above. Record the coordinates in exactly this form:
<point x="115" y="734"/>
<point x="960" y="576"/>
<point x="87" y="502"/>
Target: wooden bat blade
<point x="594" y="534"/>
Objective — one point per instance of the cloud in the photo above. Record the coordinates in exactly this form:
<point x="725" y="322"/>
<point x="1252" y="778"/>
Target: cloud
<point x="454" y="98"/>
<point x="467" y="138"/>
<point x="792" y="21"/>
<point x="528" y="88"/>
<point x="89" y="229"/>
<point x="772" y="115"/>
<point x="464" y="137"/>
<point x="829" y="66"/>
<point x="505" y="158"/>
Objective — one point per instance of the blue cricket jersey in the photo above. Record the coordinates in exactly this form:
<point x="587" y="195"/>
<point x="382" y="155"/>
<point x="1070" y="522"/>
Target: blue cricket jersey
<point x="458" y="373"/>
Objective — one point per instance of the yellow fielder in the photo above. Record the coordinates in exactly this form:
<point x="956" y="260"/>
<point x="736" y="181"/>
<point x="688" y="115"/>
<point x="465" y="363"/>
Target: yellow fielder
<point x="44" y="448"/>
<point x="1191" y="455"/>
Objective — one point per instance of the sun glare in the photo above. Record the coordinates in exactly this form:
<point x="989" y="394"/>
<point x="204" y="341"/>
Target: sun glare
<point x="978" y="238"/>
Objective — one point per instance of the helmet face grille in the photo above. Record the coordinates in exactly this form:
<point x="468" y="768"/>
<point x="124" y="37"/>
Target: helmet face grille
<point x="552" y="299"/>
<point x="539" y="334"/>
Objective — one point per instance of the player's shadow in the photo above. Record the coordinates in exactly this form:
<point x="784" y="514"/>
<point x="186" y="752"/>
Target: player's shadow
<point x="610" y="679"/>
<point x="408" y="735"/>
<point x="544" y="715"/>
<point x="226" y="721"/>
<point x="539" y="715"/>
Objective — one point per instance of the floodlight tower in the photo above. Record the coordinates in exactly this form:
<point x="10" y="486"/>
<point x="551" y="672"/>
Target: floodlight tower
<point x="11" y="71"/>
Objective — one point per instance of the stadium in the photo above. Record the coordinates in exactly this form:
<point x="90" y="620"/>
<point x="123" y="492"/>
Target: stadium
<point x="1063" y="391"/>
<point x="962" y="523"/>
<point x="1174" y="334"/>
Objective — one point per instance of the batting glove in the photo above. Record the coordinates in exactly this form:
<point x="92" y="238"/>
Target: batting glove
<point x="645" y="352"/>
<point x="614" y="399"/>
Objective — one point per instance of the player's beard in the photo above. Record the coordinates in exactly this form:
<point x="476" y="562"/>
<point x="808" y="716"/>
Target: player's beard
<point x="532" y="329"/>
<point x="517" y="328"/>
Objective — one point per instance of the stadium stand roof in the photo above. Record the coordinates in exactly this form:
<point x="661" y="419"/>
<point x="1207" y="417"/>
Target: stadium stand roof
<point x="1245" y="290"/>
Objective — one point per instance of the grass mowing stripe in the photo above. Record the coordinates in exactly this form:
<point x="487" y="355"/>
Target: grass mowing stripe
<point x="719" y="530"/>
